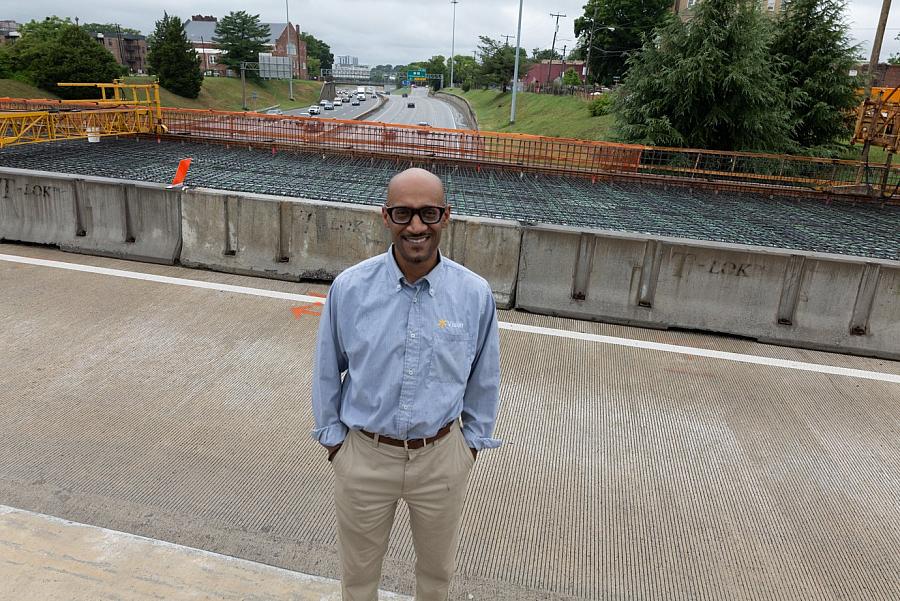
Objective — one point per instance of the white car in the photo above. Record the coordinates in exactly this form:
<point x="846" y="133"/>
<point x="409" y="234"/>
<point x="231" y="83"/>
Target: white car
<point x="338" y="102"/>
<point x="323" y="102"/>
<point x="315" y="110"/>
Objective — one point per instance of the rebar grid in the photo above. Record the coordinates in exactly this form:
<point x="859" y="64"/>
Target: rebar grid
<point x="553" y="155"/>
<point x="780" y="221"/>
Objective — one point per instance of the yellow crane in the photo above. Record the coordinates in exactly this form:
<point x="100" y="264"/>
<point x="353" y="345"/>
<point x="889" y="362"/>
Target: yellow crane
<point x="122" y="109"/>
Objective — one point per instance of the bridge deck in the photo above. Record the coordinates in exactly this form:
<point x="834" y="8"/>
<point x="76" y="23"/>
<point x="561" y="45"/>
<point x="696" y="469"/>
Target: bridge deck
<point x="795" y="222"/>
<point x="630" y="471"/>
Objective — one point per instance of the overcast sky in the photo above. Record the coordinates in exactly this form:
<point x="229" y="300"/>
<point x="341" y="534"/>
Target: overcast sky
<point x="398" y="31"/>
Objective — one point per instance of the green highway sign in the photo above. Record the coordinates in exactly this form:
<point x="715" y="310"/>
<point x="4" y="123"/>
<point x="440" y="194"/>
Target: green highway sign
<point x="415" y="74"/>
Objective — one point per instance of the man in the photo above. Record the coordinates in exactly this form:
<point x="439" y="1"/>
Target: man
<point x="407" y="349"/>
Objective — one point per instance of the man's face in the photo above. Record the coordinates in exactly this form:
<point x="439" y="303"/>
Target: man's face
<point x="416" y="242"/>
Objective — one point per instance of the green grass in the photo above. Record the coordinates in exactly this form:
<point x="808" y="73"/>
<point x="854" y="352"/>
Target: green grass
<point x="219" y="93"/>
<point x="17" y="89"/>
<point x="539" y="114"/>
<point x="224" y="93"/>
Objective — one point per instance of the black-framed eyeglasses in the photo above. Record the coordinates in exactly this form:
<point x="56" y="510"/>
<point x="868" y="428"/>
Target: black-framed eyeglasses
<point x="403" y="215"/>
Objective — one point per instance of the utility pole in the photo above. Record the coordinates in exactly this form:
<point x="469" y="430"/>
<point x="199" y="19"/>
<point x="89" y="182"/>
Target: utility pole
<point x="287" y="16"/>
<point x="873" y="63"/>
<point x="243" y="86"/>
<point x="587" y="69"/>
<point x="453" y="40"/>
<point x="512" y="108"/>
<point x="553" y="46"/>
<point x="506" y="39"/>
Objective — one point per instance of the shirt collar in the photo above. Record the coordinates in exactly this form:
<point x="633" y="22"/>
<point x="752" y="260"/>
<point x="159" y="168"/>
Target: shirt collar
<point x="433" y="277"/>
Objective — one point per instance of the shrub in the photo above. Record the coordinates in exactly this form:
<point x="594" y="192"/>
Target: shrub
<point x="602" y="105"/>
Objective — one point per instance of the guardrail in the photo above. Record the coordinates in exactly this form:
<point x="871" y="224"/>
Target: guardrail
<point x="783" y="174"/>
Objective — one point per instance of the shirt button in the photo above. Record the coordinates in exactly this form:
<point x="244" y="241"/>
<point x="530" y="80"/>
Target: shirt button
<point x="412" y="335"/>
<point x="409" y="372"/>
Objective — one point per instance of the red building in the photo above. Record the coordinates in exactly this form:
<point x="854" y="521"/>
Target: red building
<point x="284" y="40"/>
<point x="538" y="74"/>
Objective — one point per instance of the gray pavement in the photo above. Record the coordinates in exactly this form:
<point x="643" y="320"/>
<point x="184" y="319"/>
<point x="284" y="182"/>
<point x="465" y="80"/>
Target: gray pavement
<point x="182" y="414"/>
<point x="428" y="109"/>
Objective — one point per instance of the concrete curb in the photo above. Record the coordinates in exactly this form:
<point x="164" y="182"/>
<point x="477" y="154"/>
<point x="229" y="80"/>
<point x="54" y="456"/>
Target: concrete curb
<point x="364" y="115"/>
<point x="463" y="105"/>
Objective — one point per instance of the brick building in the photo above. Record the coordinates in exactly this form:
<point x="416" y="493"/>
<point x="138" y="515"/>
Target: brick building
<point x="284" y="40"/>
<point x="129" y="50"/>
<point x="538" y="73"/>
<point x="9" y="32"/>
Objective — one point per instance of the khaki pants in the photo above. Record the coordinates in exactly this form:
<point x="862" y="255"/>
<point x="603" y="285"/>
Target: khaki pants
<point x="369" y="480"/>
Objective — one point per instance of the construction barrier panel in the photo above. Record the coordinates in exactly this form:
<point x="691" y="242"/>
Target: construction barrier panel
<point x="809" y="300"/>
<point x="100" y="216"/>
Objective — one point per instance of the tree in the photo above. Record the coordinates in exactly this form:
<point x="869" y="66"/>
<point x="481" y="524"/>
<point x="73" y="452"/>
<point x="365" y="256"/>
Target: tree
<point x="545" y="54"/>
<point x="498" y="61"/>
<point x="172" y="58"/>
<point x="571" y="78"/>
<point x="109" y="28"/>
<point x="815" y="57"/>
<point x="318" y="49"/>
<point x="464" y="68"/>
<point x="241" y="37"/>
<point x="437" y="65"/>
<point x="613" y="29"/>
<point x="313" y="66"/>
<point x="54" y="51"/>
<point x="707" y="83"/>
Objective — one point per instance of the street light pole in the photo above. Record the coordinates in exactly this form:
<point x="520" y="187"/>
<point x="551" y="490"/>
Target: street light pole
<point x="453" y="40"/>
<point x="512" y="109"/>
<point x="287" y="16"/>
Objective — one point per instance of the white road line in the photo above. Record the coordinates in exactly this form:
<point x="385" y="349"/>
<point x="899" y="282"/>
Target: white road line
<point x="514" y="327"/>
<point x="162" y="279"/>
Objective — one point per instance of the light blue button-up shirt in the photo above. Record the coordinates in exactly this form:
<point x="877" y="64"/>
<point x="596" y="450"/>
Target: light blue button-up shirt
<point x="402" y="360"/>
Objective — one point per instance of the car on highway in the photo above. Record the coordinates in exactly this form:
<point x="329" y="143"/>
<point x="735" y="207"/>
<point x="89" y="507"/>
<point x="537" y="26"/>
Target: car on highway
<point x="424" y="124"/>
<point x="338" y="102"/>
<point x="323" y="102"/>
<point x="410" y="105"/>
<point x="329" y="106"/>
<point x="405" y="95"/>
<point x="354" y="102"/>
<point x="315" y="110"/>
<point x="274" y="112"/>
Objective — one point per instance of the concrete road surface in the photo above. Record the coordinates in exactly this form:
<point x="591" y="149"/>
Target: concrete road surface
<point x="345" y="111"/>
<point x="174" y="404"/>
<point x="429" y="110"/>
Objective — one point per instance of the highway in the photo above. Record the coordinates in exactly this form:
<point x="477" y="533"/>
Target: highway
<point x="346" y="111"/>
<point x="428" y="110"/>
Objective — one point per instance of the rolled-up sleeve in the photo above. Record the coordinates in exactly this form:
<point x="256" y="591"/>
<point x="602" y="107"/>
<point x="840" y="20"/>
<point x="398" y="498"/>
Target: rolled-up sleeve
<point x="482" y="397"/>
<point x="330" y="363"/>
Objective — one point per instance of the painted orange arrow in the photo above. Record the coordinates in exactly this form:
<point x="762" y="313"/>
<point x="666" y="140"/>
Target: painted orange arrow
<point x="309" y="309"/>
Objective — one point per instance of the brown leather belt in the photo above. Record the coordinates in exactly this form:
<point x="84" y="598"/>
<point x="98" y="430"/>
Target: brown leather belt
<point x="415" y="443"/>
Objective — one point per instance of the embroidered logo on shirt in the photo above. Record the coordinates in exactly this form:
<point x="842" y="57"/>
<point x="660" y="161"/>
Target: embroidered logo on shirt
<point x="453" y="325"/>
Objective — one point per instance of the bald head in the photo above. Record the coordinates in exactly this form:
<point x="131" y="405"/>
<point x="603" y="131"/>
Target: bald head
<point x="415" y="184"/>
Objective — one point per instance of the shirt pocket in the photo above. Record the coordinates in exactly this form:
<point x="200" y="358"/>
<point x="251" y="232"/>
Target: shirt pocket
<point x="451" y="358"/>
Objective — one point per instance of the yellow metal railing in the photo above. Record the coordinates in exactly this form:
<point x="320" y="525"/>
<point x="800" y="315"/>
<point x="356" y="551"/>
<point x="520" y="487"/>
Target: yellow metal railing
<point x="122" y="109"/>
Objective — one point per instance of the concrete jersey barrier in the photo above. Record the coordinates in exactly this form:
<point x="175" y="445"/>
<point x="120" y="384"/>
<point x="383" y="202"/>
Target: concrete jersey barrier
<point x="92" y="215"/>
<point x="296" y="239"/>
<point x="811" y="300"/>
